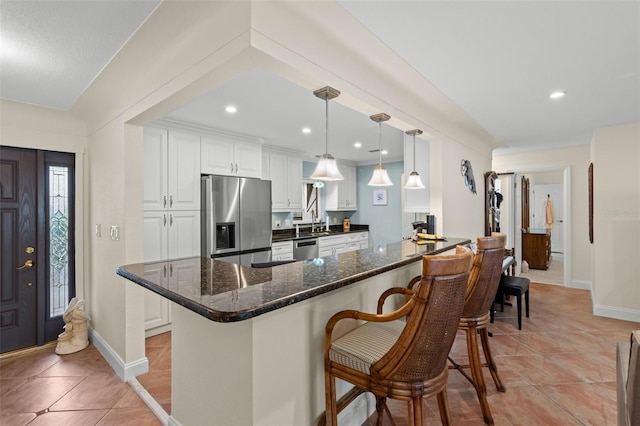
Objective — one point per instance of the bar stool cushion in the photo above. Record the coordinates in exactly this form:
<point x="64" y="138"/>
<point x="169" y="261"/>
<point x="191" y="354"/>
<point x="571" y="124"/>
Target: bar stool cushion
<point x="364" y="346"/>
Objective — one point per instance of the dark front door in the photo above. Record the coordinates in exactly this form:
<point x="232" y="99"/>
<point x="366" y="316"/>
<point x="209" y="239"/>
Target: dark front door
<point x="37" y="261"/>
<point x="18" y="236"/>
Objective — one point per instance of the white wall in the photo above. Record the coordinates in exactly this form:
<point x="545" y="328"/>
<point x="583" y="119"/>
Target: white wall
<point x="577" y="159"/>
<point x="615" y="253"/>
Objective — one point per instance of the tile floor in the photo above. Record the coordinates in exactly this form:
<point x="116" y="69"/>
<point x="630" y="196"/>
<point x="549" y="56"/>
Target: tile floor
<point x="558" y="370"/>
<point x="38" y="387"/>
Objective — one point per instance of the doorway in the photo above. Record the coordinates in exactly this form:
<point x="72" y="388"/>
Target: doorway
<point x="37" y="230"/>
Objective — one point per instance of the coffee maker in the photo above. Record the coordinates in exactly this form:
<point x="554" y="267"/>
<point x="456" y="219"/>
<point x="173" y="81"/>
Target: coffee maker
<point x="427" y="226"/>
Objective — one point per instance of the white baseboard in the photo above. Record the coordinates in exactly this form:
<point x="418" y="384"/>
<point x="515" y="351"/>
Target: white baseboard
<point x="617" y="313"/>
<point x="126" y="372"/>
<point x="582" y="285"/>
<point x="150" y="401"/>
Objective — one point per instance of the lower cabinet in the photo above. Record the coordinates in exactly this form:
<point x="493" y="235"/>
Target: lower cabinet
<point x="167" y="235"/>
<point x="282" y="250"/>
<point x="335" y="244"/>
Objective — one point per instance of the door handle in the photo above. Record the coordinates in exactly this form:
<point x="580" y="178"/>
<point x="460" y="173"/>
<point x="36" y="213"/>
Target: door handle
<point x="27" y="264"/>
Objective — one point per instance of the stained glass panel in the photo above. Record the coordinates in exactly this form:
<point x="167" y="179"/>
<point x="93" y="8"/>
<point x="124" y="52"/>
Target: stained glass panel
<point x="58" y="239"/>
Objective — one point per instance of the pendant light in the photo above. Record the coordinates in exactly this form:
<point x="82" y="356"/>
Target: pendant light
<point x="414" y="181"/>
<point x="380" y="176"/>
<point x="327" y="169"/>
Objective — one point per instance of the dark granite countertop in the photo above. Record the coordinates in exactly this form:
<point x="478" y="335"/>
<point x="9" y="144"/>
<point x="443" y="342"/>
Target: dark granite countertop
<point x="225" y="292"/>
<point x="289" y="234"/>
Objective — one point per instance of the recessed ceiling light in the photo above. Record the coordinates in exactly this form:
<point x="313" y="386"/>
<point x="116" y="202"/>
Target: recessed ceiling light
<point x="384" y="152"/>
<point x="357" y="144"/>
<point x="306" y="130"/>
<point x="231" y="109"/>
<point x="557" y="95"/>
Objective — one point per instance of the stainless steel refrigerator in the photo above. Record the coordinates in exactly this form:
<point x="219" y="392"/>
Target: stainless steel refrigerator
<point x="236" y="219"/>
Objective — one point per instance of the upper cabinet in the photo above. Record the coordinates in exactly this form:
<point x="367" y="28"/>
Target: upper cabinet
<point x="225" y="156"/>
<point x="285" y="173"/>
<point x="417" y="200"/>
<point x="341" y="194"/>
<point x="171" y="170"/>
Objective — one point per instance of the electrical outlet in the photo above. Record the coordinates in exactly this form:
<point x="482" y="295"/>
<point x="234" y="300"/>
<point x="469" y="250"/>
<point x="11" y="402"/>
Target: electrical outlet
<point x="278" y="223"/>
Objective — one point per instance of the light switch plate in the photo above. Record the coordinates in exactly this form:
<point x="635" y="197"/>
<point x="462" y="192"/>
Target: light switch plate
<point x="115" y="233"/>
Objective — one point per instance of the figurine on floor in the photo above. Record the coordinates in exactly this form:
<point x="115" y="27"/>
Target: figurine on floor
<point x="76" y="335"/>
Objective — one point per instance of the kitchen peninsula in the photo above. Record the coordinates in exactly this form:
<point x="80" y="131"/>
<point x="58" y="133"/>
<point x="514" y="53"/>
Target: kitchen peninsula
<point x="247" y="342"/>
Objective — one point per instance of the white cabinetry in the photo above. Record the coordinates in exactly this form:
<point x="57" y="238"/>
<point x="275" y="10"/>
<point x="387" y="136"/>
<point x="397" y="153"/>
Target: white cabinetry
<point x="417" y="200"/>
<point x="285" y="173"/>
<point x="335" y="244"/>
<point x="171" y="222"/>
<point x="282" y="250"/>
<point x="357" y="240"/>
<point x="225" y="156"/>
<point x="171" y="178"/>
<point x="341" y="194"/>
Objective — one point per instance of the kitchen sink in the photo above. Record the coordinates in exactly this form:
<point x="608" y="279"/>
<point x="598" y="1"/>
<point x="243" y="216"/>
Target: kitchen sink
<point x="320" y="234"/>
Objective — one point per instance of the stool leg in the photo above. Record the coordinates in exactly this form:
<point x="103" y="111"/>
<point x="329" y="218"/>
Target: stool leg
<point x="520" y="311"/>
<point x="484" y="338"/>
<point x="526" y="301"/>
<point x="476" y="373"/>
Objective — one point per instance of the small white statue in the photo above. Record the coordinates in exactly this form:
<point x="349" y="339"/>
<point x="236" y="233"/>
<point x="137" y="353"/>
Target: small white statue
<point x="76" y="334"/>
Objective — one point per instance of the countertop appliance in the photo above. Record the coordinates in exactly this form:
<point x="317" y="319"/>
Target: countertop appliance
<point x="305" y="249"/>
<point x="236" y="219"/>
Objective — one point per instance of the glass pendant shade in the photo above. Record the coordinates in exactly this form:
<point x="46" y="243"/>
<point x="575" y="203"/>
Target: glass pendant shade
<point x="380" y="177"/>
<point x="414" y="181"/>
<point x="327" y="168"/>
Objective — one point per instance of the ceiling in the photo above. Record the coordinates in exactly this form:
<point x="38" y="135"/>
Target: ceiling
<point x="498" y="61"/>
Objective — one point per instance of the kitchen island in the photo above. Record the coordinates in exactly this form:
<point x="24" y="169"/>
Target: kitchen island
<point x="247" y="344"/>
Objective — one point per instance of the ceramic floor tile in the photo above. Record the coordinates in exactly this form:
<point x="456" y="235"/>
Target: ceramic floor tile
<point x="529" y="406"/>
<point x="539" y="369"/>
<point x="129" y="416"/>
<point x="160" y="340"/>
<point x="96" y="391"/>
<point x="28" y="366"/>
<point x="83" y="363"/>
<point x="37" y="394"/>
<point x="158" y="384"/>
<point x="591" y="403"/>
<point x="129" y="400"/>
<point x="15" y="419"/>
<point x="159" y="357"/>
<point x="70" y="418"/>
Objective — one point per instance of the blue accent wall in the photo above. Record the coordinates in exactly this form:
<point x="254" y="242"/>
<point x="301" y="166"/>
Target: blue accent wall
<point x="385" y="222"/>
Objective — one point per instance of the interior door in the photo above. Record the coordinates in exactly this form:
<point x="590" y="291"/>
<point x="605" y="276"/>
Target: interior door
<point x="555" y="193"/>
<point x="18" y="233"/>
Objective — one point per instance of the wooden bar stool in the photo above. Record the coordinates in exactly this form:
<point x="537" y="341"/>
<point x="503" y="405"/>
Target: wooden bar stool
<point x="481" y="290"/>
<point x="397" y="359"/>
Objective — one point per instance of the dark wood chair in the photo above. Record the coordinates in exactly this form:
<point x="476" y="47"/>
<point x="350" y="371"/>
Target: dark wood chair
<point x="481" y="292"/>
<point x="514" y="286"/>
<point x="405" y="360"/>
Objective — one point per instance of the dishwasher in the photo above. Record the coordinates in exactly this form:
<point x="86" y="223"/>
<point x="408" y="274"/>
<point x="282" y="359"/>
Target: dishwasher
<point x="305" y="249"/>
